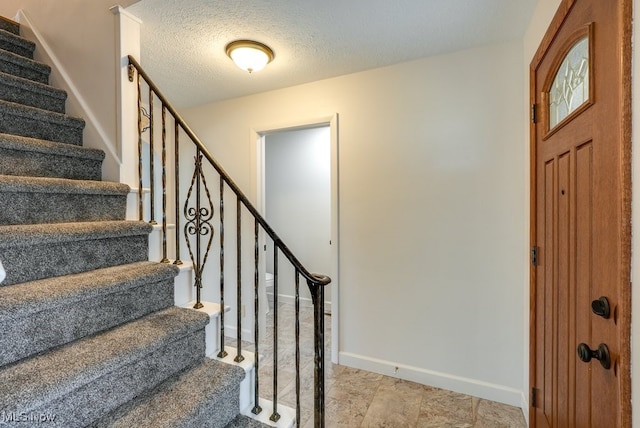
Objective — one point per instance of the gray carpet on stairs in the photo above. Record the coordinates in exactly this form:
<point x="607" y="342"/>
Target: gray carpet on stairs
<point x="90" y="335"/>
<point x="37" y="123"/>
<point x="30" y="252"/>
<point x="242" y="421"/>
<point x="13" y="43"/>
<point x="185" y="401"/>
<point x="83" y="380"/>
<point x="27" y="200"/>
<point x="75" y="306"/>
<point x="26" y="68"/>
<point x="24" y="91"/>
<point x="9" y="25"/>
<point x="25" y="156"/>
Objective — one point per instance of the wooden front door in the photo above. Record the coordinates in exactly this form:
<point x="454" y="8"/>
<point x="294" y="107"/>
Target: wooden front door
<point x="580" y="227"/>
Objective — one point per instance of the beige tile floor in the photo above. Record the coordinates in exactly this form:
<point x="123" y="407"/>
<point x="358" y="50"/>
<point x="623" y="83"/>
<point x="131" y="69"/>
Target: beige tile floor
<point x="357" y="398"/>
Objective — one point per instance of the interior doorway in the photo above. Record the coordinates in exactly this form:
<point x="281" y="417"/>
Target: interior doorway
<point x="297" y="202"/>
<point x="297" y="188"/>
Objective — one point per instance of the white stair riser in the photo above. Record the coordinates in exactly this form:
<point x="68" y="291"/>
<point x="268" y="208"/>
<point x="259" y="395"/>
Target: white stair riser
<point x="183" y="289"/>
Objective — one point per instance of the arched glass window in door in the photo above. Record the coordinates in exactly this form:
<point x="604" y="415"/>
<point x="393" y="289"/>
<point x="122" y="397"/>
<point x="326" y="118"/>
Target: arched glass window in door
<point x="570" y="87"/>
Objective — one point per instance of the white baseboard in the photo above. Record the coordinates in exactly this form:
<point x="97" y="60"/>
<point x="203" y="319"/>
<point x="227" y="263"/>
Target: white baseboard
<point x="476" y="388"/>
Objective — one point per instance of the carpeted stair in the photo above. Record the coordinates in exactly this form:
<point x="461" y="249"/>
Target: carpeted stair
<point x="90" y="334"/>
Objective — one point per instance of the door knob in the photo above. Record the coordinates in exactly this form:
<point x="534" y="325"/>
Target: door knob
<point x="601" y="307"/>
<point x="601" y="354"/>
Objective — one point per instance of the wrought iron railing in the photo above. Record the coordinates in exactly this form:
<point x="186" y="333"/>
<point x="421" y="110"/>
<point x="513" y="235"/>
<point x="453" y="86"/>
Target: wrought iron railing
<point x="193" y="217"/>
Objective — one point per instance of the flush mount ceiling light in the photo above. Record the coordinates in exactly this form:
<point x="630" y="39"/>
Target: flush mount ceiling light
<point x="249" y="55"/>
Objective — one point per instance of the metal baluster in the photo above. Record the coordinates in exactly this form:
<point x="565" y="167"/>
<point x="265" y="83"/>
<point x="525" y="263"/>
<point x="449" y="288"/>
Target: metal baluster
<point x="222" y="352"/>
<point x="317" y="296"/>
<point x="256" y="306"/>
<point x="275" y="416"/>
<point x="199" y="268"/>
<point x="177" y="189"/>
<point x="297" y="327"/>
<point x="151" y="161"/>
<point x="197" y="223"/>
<point x="239" y="356"/>
<point x="164" y="185"/>
<point x="140" y="167"/>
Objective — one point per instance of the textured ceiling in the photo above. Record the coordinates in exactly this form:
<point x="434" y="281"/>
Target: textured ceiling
<point x="183" y="41"/>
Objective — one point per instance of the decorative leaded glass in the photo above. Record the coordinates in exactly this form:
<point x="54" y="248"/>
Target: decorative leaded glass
<point x="570" y="88"/>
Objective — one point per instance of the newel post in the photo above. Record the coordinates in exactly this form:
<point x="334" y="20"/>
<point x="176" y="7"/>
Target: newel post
<point x="317" y="296"/>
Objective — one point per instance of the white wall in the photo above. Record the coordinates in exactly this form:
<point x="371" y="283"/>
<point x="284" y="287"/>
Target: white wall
<point x="9" y="9"/>
<point x="298" y="201"/>
<point x="81" y="36"/>
<point x="431" y="211"/>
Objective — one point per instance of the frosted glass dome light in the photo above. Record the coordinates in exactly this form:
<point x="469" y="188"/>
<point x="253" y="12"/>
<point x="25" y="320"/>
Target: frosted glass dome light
<point x="250" y="55"/>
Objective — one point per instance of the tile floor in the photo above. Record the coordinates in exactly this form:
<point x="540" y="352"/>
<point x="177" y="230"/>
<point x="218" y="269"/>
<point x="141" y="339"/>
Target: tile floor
<point x="357" y="398"/>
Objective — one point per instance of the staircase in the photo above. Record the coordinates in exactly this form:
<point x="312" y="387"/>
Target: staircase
<point x="90" y="334"/>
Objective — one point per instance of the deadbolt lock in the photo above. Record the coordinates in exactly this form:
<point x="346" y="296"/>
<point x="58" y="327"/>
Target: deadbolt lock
<point x="601" y="307"/>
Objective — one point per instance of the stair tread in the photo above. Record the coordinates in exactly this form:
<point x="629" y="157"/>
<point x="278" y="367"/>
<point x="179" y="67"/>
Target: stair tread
<point x="17" y="142"/>
<point x="17" y="40"/>
<point x="9" y="25"/>
<point x="20" y="119"/>
<point x="16" y="183"/>
<point x="30" y="84"/>
<point x="24" y="62"/>
<point x="41" y="114"/>
<point x="242" y="421"/>
<point x="42" y="234"/>
<point x="179" y="398"/>
<point x="20" y="300"/>
<point x="21" y="82"/>
<point x="32" y="382"/>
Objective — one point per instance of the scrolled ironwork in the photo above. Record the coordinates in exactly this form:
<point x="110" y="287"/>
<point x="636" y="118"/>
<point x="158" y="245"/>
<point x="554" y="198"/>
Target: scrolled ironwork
<point x="198" y="224"/>
<point x="195" y="227"/>
<point x="198" y="228"/>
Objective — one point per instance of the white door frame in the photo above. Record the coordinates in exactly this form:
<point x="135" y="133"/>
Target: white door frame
<point x="258" y="141"/>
